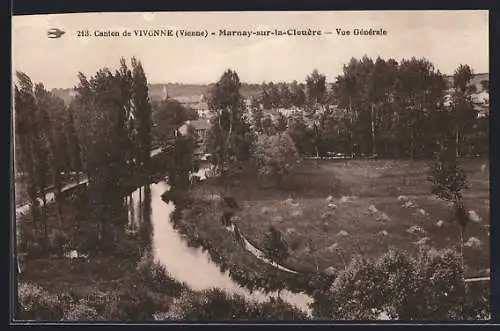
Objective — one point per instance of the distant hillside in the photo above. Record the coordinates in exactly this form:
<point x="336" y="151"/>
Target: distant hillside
<point x="193" y="92"/>
<point x="66" y="94"/>
<point x="181" y="92"/>
<point x="476" y="80"/>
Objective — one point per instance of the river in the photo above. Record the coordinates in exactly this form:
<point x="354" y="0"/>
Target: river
<point x="187" y="264"/>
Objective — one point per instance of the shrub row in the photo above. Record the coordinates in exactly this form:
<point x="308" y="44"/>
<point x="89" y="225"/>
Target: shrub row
<point x="429" y="286"/>
<point x="155" y="296"/>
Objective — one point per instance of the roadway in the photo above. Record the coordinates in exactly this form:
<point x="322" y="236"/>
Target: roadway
<point x="50" y="196"/>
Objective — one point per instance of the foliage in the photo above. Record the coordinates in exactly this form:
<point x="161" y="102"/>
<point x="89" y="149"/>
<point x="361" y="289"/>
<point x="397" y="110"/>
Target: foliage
<point x="154" y="274"/>
<point x="386" y="107"/>
<point x="302" y="136"/>
<point x="141" y="112"/>
<point x="37" y="304"/>
<point x="485" y="84"/>
<point x="441" y="286"/>
<point x="275" y="247"/>
<point x="464" y="114"/>
<point x="112" y="114"/>
<point x="316" y="109"/>
<point x="256" y="114"/>
<point x="105" y="132"/>
<point x="136" y="303"/>
<point x="448" y="180"/>
<point x="391" y="100"/>
<point x="277" y="310"/>
<point x="429" y="286"/>
<point x="217" y="305"/>
<point x="268" y="126"/>
<point x="229" y="139"/>
<point x="275" y="155"/>
<point x="213" y="304"/>
<point x="461" y="77"/>
<point x="41" y="149"/>
<point x="168" y="116"/>
<point x="477" y="304"/>
<point x="377" y="107"/>
<point x="447" y="177"/>
<point x="316" y="87"/>
<point x="81" y="312"/>
<point x="282" y="95"/>
<point x="226" y="252"/>
<point x="185" y="164"/>
<point x="281" y="123"/>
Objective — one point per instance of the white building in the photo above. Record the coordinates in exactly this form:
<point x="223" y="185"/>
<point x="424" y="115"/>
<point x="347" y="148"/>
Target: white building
<point x="201" y="127"/>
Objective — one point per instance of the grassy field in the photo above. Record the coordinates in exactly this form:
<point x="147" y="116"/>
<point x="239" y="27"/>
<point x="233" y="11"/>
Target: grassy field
<point x="332" y="210"/>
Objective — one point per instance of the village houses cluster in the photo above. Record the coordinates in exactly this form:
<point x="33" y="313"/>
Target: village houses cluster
<point x="480" y="98"/>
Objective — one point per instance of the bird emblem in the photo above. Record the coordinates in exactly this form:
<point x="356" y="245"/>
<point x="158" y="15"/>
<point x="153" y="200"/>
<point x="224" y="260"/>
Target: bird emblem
<point x="55" y="33"/>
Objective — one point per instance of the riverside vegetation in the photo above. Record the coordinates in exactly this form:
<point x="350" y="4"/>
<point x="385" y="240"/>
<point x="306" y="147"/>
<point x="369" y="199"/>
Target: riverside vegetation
<point x="119" y="277"/>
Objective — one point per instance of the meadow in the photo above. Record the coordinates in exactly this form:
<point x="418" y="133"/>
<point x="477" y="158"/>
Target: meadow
<point x="330" y="211"/>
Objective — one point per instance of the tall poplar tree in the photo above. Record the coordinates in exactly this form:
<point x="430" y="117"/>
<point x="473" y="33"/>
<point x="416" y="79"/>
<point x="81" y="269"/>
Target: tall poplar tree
<point x="142" y="108"/>
<point x="230" y="139"/>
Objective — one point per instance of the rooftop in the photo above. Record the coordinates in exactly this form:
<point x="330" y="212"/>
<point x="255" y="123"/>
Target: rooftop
<point x="201" y="124"/>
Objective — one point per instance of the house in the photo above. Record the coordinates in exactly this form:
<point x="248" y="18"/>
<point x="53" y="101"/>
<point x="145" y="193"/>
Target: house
<point x="271" y="113"/>
<point x="287" y="112"/>
<point x="247" y="102"/>
<point x="196" y="102"/>
<point x="201" y="127"/>
<point x="202" y="107"/>
<point x="482" y="98"/>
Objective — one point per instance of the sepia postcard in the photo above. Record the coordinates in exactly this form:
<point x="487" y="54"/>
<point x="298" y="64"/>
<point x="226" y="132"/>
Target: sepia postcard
<point x="251" y="166"/>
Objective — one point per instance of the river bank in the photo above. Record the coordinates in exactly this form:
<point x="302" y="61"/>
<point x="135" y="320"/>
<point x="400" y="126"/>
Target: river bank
<point x="190" y="253"/>
<point x="197" y="220"/>
<point x="117" y="284"/>
<point x="329" y="212"/>
<point x="104" y="285"/>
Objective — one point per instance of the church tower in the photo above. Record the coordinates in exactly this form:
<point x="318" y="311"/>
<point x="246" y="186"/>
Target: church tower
<point x="165" y="92"/>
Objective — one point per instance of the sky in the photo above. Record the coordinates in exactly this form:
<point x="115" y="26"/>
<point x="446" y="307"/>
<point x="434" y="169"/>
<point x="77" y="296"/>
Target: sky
<point x="446" y="38"/>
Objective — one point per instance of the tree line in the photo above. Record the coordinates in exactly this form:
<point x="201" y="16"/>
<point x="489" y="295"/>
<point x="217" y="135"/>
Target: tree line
<point x="376" y="107"/>
<point x="105" y="134"/>
<point x="379" y="107"/>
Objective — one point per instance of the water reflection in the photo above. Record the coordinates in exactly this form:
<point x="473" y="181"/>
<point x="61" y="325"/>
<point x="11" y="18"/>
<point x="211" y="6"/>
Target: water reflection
<point x="138" y="204"/>
<point x="150" y="216"/>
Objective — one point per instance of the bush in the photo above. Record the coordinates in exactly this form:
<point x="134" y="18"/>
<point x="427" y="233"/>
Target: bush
<point x="210" y="305"/>
<point x="135" y="303"/>
<point x="356" y="291"/>
<point x="155" y="275"/>
<point x="477" y="304"/>
<point x="180" y="308"/>
<point x="217" y="305"/>
<point x="440" y="291"/>
<point x="428" y="287"/>
<point x="37" y="304"/>
<point x="397" y="273"/>
<point x="277" y="310"/>
<point x="81" y="312"/>
<point x="275" y="155"/>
